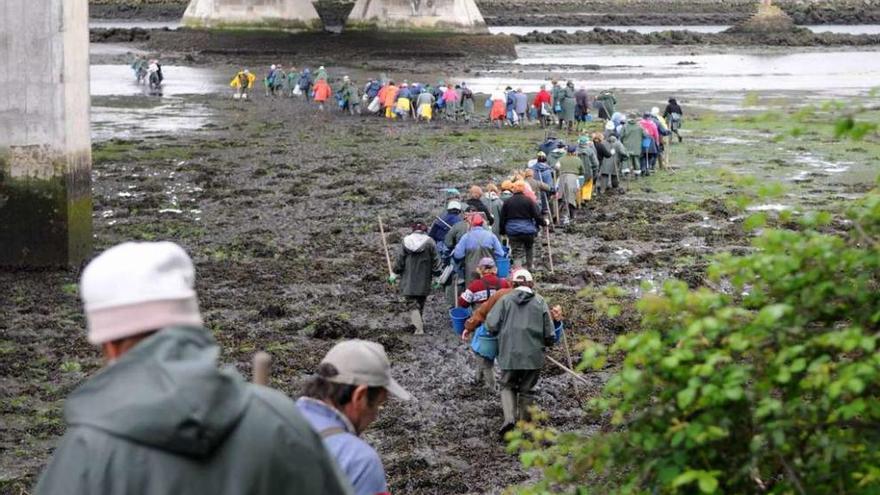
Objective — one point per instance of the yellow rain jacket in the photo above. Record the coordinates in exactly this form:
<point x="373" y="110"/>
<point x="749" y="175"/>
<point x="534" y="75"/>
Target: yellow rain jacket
<point x="236" y="81"/>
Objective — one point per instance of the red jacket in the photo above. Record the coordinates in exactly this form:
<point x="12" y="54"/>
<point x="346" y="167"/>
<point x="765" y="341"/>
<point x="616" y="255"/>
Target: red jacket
<point x="543" y="96"/>
<point x="482" y="289"/>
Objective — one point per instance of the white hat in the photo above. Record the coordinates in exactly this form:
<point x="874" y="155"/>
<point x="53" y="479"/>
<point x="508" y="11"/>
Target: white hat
<point x="609" y="126"/>
<point x="655" y="111"/>
<point x="137" y="287"/>
<point x="272" y="67"/>
<point x="454" y="205"/>
<point x="361" y="362"/>
<point x="521" y="275"/>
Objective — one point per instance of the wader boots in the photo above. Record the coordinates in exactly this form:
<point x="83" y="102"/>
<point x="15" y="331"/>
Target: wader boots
<point x="508" y="406"/>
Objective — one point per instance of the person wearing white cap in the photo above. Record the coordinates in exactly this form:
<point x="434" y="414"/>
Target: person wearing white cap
<point x="524" y="325"/>
<point x="342" y="399"/>
<point x="162" y="417"/>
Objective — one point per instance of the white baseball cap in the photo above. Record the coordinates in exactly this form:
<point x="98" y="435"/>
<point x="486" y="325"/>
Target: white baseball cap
<point x="137" y="287"/>
<point x="521" y="275"/>
<point x="361" y="362"/>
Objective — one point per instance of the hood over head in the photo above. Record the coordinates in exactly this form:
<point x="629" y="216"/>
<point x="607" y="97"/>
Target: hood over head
<point x="166" y="392"/>
<point x="416" y="242"/>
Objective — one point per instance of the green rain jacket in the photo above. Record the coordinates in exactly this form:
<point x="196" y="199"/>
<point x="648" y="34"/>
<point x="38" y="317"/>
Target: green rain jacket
<point x="522" y="322"/>
<point x="631" y="137"/>
<point x="417" y="262"/>
<point x="164" y="419"/>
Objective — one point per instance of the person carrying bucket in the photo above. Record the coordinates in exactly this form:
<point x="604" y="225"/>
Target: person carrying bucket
<point x="417" y="263"/>
<point x="478" y="292"/>
<point x="523" y="323"/>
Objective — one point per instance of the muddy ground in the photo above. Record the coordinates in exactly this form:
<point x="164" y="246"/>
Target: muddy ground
<point x="278" y="206"/>
<point x="563" y="12"/>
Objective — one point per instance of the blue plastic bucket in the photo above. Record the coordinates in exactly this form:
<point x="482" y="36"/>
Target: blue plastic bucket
<point x="487" y="347"/>
<point x="459" y="316"/>
<point x="503" y="265"/>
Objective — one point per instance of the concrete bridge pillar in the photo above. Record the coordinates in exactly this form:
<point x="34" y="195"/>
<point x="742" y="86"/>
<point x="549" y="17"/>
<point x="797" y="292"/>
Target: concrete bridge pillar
<point x="45" y="146"/>
<point x="255" y="14"/>
<point x="417" y="15"/>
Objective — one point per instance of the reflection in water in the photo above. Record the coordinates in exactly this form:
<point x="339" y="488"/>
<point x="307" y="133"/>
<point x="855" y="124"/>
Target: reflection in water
<point x="109" y="80"/>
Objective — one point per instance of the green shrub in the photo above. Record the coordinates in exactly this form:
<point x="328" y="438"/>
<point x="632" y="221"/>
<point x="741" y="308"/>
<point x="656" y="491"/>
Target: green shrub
<point x="770" y="386"/>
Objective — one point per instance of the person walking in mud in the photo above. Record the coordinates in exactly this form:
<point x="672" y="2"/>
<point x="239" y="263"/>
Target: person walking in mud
<point x="243" y="82"/>
<point x="673" y="115"/>
<point x="478" y="292"/>
<point x="467" y="102"/>
<point x="568" y="103"/>
<point x="162" y="417"/>
<point x="524" y="325"/>
<point x="632" y="136"/>
<point x="605" y="104"/>
<point x="570" y="166"/>
<point x="342" y="399"/>
<point x="417" y="263"/>
<point x="520" y="220"/>
<point x="478" y="243"/>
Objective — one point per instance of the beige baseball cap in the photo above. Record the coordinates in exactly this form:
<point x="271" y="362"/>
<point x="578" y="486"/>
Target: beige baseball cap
<point x="361" y="362"/>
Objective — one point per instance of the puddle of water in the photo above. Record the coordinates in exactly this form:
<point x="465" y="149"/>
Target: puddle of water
<point x="825" y="28"/>
<point x="118" y="80"/>
<point x="135" y="123"/>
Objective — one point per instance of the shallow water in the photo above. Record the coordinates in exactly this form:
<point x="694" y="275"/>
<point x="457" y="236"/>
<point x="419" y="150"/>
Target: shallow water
<point x="131" y="24"/>
<point x="118" y="80"/>
<point x="832" y="28"/>
<point x="656" y="68"/>
<point x="132" y="122"/>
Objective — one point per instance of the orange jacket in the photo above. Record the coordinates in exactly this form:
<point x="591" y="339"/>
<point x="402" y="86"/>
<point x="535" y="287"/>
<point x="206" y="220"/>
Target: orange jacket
<point x="322" y="91"/>
<point x="390" y="96"/>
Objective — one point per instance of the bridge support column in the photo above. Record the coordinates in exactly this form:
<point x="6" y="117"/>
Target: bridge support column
<point x="417" y="15"/>
<point x="45" y="146"/>
<point x="254" y="14"/>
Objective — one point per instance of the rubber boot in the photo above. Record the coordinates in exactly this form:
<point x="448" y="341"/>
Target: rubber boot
<point x="416" y="317"/>
<point x="487" y="371"/>
<point x="508" y="406"/>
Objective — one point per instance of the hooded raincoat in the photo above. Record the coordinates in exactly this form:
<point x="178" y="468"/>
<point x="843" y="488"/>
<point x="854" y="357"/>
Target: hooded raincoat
<point x="522" y="322"/>
<point x="417" y="262"/>
<point x="164" y="419"/>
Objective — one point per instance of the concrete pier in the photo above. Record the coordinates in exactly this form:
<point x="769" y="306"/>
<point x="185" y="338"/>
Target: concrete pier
<point x="417" y="15"/>
<point x="45" y="146"/>
<point x="253" y="14"/>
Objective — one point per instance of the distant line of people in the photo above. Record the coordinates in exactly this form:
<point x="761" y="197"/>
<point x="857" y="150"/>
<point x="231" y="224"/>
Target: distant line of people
<point x="561" y="105"/>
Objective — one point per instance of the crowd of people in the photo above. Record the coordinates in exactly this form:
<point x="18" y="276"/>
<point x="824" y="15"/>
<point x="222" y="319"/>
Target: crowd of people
<point x="163" y="417"/>
<point x="459" y="250"/>
<point x="561" y="105"/>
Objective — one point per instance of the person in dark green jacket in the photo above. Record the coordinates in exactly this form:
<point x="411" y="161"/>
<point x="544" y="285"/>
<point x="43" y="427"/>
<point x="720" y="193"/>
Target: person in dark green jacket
<point x="162" y="418"/>
<point x="524" y="326"/>
<point x="631" y="137"/>
<point x="417" y="263"/>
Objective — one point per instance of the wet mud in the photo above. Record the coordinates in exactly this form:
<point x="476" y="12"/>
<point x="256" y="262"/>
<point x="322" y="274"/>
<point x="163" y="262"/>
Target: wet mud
<point x="277" y="204"/>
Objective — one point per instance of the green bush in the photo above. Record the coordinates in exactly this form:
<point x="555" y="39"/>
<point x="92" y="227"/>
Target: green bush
<point x="770" y="386"/>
